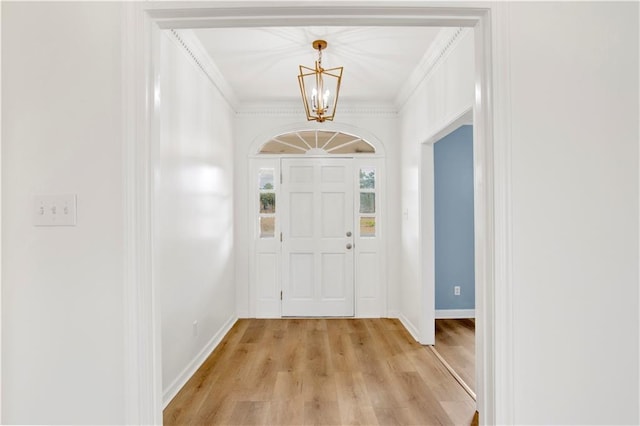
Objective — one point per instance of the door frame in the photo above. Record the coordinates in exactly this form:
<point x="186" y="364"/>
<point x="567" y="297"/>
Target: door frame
<point x="142" y="23"/>
<point x="427" y="223"/>
<point x="365" y="307"/>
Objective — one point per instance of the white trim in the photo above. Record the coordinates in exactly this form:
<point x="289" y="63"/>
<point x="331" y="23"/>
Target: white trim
<point x="427" y="224"/>
<point x="1" y="422"/>
<point x="224" y="14"/>
<point x="498" y="351"/>
<point x="426" y="244"/>
<point x="483" y="220"/>
<point x="463" y="118"/>
<point x="172" y="390"/>
<point x="455" y="313"/>
<point x="411" y="327"/>
<point x="267" y="109"/>
<point x="143" y="376"/>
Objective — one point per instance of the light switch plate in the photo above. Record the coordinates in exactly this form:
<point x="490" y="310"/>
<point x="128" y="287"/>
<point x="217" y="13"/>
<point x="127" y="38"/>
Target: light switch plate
<point x="54" y="210"/>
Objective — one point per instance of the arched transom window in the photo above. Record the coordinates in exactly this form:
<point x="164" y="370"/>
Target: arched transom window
<point x="317" y="142"/>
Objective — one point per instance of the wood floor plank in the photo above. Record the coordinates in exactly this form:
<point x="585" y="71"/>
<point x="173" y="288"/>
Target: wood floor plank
<point x="188" y="401"/>
<point x="455" y="342"/>
<point x="249" y="413"/>
<point x="287" y="412"/>
<point x="353" y="400"/>
<point x="320" y="371"/>
<point x="460" y="412"/>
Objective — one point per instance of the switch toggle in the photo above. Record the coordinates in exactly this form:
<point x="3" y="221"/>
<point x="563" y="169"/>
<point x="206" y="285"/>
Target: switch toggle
<point x="54" y="210"/>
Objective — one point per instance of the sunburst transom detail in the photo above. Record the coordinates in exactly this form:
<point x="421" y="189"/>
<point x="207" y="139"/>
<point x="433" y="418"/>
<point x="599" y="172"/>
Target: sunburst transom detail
<point x="317" y="142"/>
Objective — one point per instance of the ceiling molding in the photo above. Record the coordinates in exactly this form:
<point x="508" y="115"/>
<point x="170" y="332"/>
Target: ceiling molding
<point x="212" y="14"/>
<point x="194" y="48"/>
<point x="296" y="109"/>
<point x="444" y="43"/>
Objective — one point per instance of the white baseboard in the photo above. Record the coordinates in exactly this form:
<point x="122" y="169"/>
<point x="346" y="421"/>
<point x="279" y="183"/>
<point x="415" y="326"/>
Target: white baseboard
<point x="411" y="328"/>
<point x="172" y="390"/>
<point x="455" y="313"/>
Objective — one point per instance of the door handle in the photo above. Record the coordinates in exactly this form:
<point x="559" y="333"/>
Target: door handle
<point x="348" y="233"/>
<point x="349" y="246"/>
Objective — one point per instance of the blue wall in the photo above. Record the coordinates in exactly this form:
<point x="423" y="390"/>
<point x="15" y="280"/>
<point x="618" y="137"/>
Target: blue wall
<point x="454" y="249"/>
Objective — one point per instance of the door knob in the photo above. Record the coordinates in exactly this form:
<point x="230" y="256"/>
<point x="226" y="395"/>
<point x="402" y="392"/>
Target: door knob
<point x="349" y="246"/>
<point x="348" y="233"/>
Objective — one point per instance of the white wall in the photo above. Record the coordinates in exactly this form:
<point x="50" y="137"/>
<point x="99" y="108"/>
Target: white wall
<point x="253" y="127"/>
<point x="62" y="312"/>
<point x="194" y="238"/>
<point x="574" y="140"/>
<point x="444" y="95"/>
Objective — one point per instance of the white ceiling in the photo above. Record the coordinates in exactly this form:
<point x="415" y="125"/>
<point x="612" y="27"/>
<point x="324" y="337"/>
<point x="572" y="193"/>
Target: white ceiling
<point x="261" y="64"/>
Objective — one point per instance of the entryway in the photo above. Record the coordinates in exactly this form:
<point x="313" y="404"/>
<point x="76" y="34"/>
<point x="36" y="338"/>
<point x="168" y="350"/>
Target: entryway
<point x="318" y="226"/>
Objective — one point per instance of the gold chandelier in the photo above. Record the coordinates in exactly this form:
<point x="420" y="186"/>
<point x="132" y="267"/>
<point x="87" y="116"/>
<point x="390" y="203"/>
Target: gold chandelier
<point x="320" y="87"/>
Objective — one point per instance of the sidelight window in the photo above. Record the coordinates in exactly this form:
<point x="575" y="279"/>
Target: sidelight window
<point x="267" y="203"/>
<point x="367" y="210"/>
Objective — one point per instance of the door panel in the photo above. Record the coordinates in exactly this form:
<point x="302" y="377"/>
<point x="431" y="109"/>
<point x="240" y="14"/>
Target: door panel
<point x="333" y="210"/>
<point x="318" y="278"/>
<point x="301" y="216"/>
<point x="333" y="285"/>
<point x="301" y="273"/>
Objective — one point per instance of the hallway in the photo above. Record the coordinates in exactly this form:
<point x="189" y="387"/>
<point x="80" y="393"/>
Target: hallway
<point x="320" y="371"/>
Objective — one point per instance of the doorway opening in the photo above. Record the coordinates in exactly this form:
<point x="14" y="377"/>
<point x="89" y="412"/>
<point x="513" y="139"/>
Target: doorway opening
<point x="142" y="27"/>
<point x="448" y="237"/>
<point x="454" y="260"/>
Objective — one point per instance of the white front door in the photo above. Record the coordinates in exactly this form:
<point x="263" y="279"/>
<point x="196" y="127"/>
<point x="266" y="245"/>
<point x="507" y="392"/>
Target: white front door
<point x="317" y="237"/>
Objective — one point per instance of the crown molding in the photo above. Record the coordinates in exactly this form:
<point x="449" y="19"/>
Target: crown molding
<point x="192" y="45"/>
<point x="296" y="109"/>
<point x="444" y="43"/>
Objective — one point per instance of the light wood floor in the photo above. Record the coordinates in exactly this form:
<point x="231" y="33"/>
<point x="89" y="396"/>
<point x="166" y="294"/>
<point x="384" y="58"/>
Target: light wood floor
<point x="320" y="371"/>
<point x="456" y="343"/>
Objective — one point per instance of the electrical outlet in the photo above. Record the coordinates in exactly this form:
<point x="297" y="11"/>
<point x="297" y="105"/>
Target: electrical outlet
<point x="456" y="290"/>
<point x="195" y="328"/>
